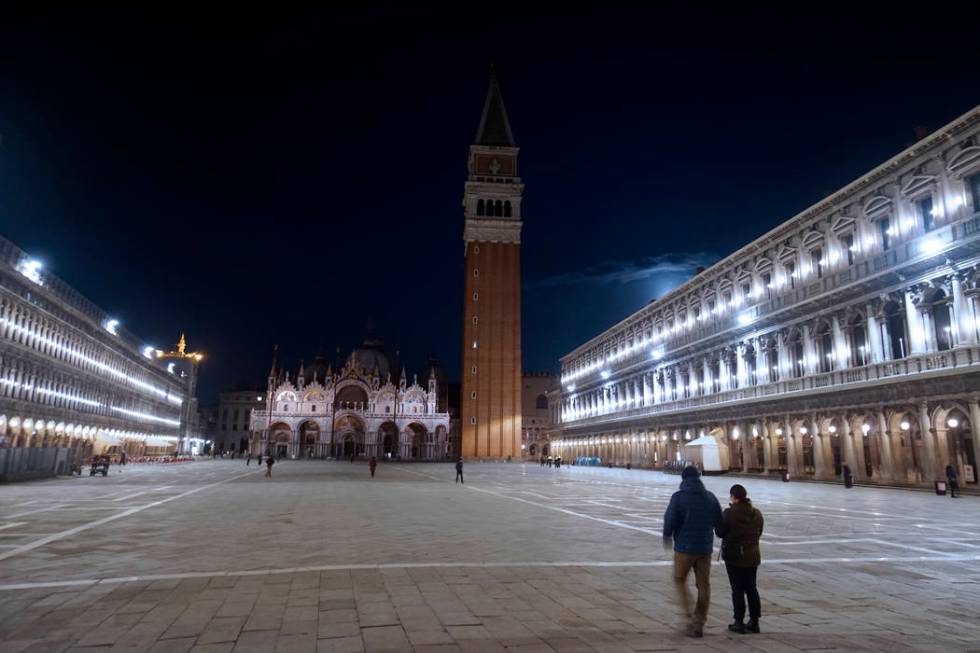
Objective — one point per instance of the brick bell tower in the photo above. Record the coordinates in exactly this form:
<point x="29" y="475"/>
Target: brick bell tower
<point x="491" y="375"/>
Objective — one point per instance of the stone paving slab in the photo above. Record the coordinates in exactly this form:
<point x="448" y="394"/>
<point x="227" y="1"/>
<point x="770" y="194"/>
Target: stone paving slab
<point x="211" y="557"/>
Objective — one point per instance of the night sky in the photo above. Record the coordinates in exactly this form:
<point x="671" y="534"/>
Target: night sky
<point x="257" y="179"/>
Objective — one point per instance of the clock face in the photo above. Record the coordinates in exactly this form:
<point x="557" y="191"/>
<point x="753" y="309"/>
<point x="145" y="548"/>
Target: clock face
<point x="494" y="166"/>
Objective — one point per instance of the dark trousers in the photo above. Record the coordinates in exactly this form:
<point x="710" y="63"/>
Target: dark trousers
<point x="459" y="477"/>
<point x="742" y="580"/>
<point x="953" y="486"/>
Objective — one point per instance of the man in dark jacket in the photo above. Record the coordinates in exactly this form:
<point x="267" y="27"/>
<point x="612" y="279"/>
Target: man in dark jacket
<point x="740" y="530"/>
<point x="690" y="520"/>
<point x="952" y="481"/>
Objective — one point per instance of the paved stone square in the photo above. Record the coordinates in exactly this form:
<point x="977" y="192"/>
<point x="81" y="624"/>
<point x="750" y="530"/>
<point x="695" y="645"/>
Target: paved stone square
<point x="210" y="556"/>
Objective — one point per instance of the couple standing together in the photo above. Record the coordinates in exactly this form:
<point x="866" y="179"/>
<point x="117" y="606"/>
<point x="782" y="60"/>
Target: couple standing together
<point x="692" y="520"/>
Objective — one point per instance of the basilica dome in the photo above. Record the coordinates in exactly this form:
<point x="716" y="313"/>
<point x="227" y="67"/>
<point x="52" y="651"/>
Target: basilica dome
<point x="371" y="356"/>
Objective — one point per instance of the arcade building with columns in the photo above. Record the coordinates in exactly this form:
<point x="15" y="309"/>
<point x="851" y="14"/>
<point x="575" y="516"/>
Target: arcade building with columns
<point x="72" y="377"/>
<point x="361" y="410"/>
<point x="848" y="335"/>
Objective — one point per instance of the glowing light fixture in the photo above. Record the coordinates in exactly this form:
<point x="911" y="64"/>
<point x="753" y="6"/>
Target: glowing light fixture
<point x="149" y="352"/>
<point x="832" y="428"/>
<point x="31" y="268"/>
<point x="953" y="422"/>
<point x="865" y="428"/>
<point x="571" y="387"/>
<point x="111" y="325"/>
<point x="931" y="246"/>
<point x="905" y="425"/>
<point x="744" y="319"/>
<point x="605" y="374"/>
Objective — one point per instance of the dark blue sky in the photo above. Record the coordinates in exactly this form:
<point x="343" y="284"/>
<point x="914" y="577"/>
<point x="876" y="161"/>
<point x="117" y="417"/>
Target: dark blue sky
<point x="258" y="179"/>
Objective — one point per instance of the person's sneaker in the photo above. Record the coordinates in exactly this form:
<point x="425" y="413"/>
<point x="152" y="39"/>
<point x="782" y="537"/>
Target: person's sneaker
<point x="694" y="630"/>
<point x="752" y="626"/>
<point x="737" y="627"/>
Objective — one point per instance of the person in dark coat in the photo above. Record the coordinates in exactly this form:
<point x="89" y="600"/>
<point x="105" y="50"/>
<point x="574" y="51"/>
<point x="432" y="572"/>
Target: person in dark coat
<point x="740" y="530"/>
<point x="848" y="476"/>
<point x="459" y="471"/>
<point x="269" y="462"/>
<point x="372" y="465"/>
<point x="248" y="459"/>
<point x="952" y="481"/>
<point x="689" y="523"/>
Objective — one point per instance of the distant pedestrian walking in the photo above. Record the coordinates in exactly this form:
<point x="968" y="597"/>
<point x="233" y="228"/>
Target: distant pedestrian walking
<point x="248" y="459"/>
<point x="952" y="481"/>
<point x="689" y="523"/>
<point x="260" y="459"/>
<point x="352" y="459"/>
<point x="459" y="471"/>
<point x="740" y="530"/>
<point x="372" y="465"/>
<point x="269" y="462"/>
<point x="848" y="476"/>
<point x="558" y="462"/>
<point x="542" y="461"/>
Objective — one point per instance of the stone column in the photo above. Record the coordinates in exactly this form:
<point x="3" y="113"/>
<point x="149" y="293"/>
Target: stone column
<point x="841" y="359"/>
<point x="847" y="444"/>
<point x="885" y="449"/>
<point x="914" y="322"/>
<point x="741" y="367"/>
<point x="819" y="464"/>
<point x="962" y="320"/>
<point x="791" y="463"/>
<point x="859" y="438"/>
<point x="925" y="428"/>
<point x="875" y="352"/>
<point x="647" y="394"/>
<point x="974" y="403"/>
<point x="810" y="363"/>
<point x="745" y="441"/>
<point x="766" y="446"/>
<point x="942" y="449"/>
<point x="785" y="364"/>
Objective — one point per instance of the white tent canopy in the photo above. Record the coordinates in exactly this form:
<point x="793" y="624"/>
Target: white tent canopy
<point x="709" y="453"/>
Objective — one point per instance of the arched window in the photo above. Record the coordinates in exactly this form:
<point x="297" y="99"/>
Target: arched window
<point x="499" y="209"/>
<point x="895" y="325"/>
<point x="797" y="360"/>
<point x="507" y="209"/>
<point x="480" y="210"/>
<point x="859" y="342"/>
<point x="541" y="403"/>
<point x="750" y="364"/>
<point x="942" y="322"/>
<point x="826" y="351"/>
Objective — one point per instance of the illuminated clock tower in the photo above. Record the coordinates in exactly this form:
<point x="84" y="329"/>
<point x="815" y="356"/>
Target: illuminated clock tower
<point x="491" y="375"/>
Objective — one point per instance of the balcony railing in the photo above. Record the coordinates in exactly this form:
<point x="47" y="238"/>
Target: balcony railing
<point x="960" y="357"/>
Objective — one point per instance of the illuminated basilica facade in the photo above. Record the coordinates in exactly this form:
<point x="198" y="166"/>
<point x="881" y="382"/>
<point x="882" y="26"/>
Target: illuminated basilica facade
<point x="360" y="410"/>
<point x="846" y="336"/>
